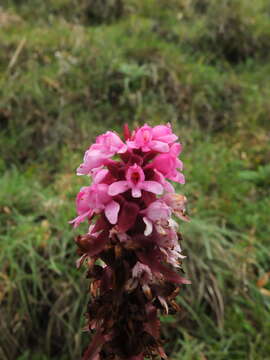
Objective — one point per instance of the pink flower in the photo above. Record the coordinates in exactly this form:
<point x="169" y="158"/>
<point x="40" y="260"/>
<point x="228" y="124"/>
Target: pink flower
<point x="147" y="138"/>
<point x="110" y="143"/>
<point x="93" y="158"/>
<point x="135" y="180"/>
<point x="156" y="212"/>
<point x="94" y="199"/>
<point x="167" y="164"/>
<point x="82" y="205"/>
<point x="106" y="146"/>
<point x="164" y="133"/>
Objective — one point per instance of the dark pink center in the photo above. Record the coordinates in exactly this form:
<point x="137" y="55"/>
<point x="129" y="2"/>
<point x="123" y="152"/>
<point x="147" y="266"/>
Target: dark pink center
<point x="135" y="177"/>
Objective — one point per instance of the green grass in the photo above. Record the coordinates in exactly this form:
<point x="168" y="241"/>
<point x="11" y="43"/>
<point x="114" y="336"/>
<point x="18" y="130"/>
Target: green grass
<point x="70" y="70"/>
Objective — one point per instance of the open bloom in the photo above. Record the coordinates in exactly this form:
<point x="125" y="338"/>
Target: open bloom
<point x="110" y="143"/>
<point x="94" y="199"/>
<point x="135" y="180"/>
<point x="105" y="147"/>
<point x="93" y="158"/>
<point x="157" y="139"/>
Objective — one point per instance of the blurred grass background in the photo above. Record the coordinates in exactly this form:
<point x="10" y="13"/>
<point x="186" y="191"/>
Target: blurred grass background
<point x="70" y="70"/>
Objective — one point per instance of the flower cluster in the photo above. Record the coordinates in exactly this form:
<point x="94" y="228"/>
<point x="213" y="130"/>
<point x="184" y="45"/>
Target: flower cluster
<point x="132" y="246"/>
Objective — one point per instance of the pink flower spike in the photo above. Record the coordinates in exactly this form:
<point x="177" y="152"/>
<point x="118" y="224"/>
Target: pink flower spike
<point x="131" y="208"/>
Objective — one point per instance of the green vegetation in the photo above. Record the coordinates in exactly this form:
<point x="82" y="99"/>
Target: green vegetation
<point x="70" y="70"/>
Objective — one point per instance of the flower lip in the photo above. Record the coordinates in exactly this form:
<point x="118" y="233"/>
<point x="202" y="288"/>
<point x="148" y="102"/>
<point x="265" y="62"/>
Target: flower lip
<point x="135" y="177"/>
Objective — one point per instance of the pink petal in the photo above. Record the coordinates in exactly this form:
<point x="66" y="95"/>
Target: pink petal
<point x="168" y="138"/>
<point x="111" y="211"/>
<point x="152" y="186"/>
<point x="92" y="159"/>
<point x="176" y="149"/>
<point x="159" y="146"/>
<point x="179" y="164"/>
<point x="80" y="218"/>
<point x="146" y="148"/>
<point x="118" y="187"/>
<point x="158" y="210"/>
<point x="178" y="178"/>
<point x="123" y="149"/>
<point x="168" y="187"/>
<point x="99" y="175"/>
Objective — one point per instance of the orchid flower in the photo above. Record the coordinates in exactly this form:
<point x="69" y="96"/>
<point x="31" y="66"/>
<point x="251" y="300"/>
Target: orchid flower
<point x="156" y="139"/>
<point x="106" y="146"/>
<point x="94" y="199"/>
<point x="167" y="164"/>
<point x="135" y="180"/>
